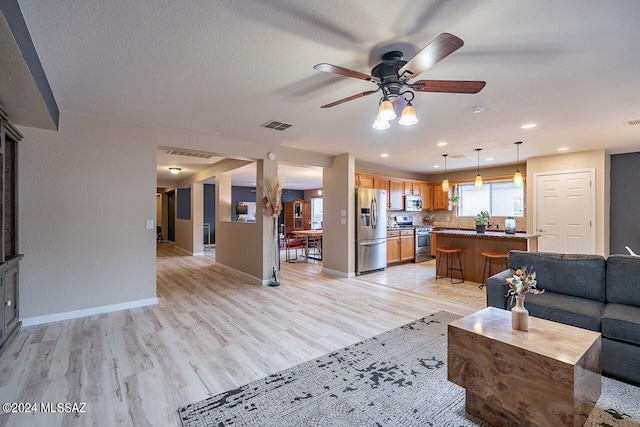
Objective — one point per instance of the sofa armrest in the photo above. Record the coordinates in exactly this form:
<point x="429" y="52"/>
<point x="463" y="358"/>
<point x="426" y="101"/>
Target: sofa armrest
<point x="497" y="289"/>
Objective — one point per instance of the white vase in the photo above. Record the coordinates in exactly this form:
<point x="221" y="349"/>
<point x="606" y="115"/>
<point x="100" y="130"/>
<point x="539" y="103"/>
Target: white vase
<point x="519" y="315"/>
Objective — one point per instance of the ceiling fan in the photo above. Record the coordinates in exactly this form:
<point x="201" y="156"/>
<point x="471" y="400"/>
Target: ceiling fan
<point x="392" y="76"/>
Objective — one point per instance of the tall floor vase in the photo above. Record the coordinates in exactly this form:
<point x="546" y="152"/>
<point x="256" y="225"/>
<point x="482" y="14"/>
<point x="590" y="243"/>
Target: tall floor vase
<point x="275" y="257"/>
<point x="519" y="315"/>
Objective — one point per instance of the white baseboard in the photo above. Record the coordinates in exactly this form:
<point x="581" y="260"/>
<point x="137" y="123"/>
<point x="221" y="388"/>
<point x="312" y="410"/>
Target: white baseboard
<point x="30" y="321"/>
<point x="254" y="280"/>
<point x="337" y="273"/>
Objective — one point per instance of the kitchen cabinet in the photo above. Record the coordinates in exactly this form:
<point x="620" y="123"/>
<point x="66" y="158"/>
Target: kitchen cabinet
<point x="9" y="256"/>
<point x="381" y="183"/>
<point x="364" y="181"/>
<point x="427" y="196"/>
<point x="400" y="246"/>
<point x="413" y="188"/>
<point x="396" y="196"/>
<point x="440" y="199"/>
<point x="407" y="245"/>
<point x="393" y="246"/>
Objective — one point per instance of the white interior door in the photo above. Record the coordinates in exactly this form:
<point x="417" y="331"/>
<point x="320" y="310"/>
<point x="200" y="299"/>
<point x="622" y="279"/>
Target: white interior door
<point x="565" y="212"/>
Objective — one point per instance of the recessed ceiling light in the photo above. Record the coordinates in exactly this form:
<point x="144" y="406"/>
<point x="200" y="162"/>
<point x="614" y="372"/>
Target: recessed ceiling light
<point x="563" y="148"/>
<point x="384" y="155"/>
<point x="488" y="159"/>
<point x="442" y="144"/>
<point x="436" y="166"/>
<point x="479" y="109"/>
<point x="528" y="126"/>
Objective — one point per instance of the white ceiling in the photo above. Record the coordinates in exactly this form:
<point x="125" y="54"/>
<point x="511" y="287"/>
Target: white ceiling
<point x="227" y="67"/>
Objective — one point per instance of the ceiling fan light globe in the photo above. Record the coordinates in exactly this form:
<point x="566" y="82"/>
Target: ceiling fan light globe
<point x="380" y="124"/>
<point x="408" y="117"/>
<point x="478" y="182"/>
<point x="517" y="179"/>
<point x="386" y="111"/>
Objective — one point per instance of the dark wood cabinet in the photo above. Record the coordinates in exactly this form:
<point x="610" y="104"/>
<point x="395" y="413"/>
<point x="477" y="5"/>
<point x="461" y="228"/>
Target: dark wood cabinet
<point x="9" y="257"/>
<point x="297" y="216"/>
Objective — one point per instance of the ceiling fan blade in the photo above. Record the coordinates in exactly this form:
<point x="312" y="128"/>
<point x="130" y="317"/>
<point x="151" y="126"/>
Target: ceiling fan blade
<point x="443" y="45"/>
<point x="351" y="98"/>
<point x="448" y="86"/>
<point x="328" y="68"/>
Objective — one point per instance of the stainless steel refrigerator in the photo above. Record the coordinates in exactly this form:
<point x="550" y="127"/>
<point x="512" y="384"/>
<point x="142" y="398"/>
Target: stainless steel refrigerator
<point x="371" y="230"/>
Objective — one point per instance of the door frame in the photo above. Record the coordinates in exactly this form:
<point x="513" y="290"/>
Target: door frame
<point x="592" y="201"/>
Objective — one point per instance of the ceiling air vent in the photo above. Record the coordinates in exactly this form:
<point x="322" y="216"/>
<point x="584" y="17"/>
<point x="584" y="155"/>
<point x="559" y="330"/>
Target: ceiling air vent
<point x="632" y="123"/>
<point x="275" y="125"/>
<point x="190" y="154"/>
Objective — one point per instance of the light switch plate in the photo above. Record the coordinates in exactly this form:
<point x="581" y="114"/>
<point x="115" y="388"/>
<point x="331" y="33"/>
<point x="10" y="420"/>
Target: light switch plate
<point x="149" y="224"/>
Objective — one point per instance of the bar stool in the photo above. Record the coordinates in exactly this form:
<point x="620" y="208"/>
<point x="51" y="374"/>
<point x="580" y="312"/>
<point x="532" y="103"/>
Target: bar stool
<point x="449" y="253"/>
<point x="489" y="257"/>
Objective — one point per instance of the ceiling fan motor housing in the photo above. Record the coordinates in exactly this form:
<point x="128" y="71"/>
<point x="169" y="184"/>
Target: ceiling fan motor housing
<point x="387" y="73"/>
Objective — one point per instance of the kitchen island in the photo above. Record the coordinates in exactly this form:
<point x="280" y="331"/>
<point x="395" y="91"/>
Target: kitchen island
<point x="473" y="244"/>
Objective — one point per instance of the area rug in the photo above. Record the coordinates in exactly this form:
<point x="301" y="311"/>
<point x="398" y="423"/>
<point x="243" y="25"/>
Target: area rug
<point x="395" y="379"/>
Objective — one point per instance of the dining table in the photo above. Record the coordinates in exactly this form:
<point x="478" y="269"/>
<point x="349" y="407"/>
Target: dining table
<point x="310" y="234"/>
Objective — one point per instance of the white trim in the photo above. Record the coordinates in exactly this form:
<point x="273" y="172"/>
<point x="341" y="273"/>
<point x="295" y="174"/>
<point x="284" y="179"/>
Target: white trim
<point x="30" y="321"/>
<point x="198" y="254"/>
<point x="337" y="273"/>
<point x="592" y="195"/>
<point x="254" y="280"/>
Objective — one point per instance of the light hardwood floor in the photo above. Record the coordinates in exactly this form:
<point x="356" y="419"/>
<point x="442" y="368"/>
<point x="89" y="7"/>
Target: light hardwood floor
<point x="210" y="332"/>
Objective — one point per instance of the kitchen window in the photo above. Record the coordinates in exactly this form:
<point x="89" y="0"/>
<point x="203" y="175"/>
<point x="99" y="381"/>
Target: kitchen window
<point x="499" y="198"/>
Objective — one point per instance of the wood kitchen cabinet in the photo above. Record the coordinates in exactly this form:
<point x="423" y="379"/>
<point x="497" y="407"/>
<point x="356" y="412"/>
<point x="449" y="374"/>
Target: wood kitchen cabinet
<point x="427" y="196"/>
<point x="413" y="188"/>
<point x="440" y="199"/>
<point x="380" y="183"/>
<point x="407" y="245"/>
<point x="400" y="246"/>
<point x="364" y="181"/>
<point x="393" y="246"/>
<point x="9" y="256"/>
<point x="396" y="195"/>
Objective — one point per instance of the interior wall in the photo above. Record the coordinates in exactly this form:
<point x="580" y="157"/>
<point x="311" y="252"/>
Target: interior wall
<point x="338" y="240"/>
<point x="625" y="203"/>
<point x="86" y="192"/>
<point x="598" y="160"/>
<point x="209" y="213"/>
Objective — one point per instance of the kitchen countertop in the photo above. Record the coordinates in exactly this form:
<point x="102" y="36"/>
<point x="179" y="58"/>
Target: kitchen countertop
<point x="471" y="233"/>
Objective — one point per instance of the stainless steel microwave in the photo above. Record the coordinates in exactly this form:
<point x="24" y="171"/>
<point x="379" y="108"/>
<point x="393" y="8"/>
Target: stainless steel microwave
<point x="412" y="203"/>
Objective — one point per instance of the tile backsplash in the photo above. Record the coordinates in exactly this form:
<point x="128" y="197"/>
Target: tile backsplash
<point x="450" y="219"/>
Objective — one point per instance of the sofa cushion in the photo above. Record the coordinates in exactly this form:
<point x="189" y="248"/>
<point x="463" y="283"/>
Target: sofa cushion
<point x="575" y="275"/>
<point x="622" y="323"/>
<point x="569" y="310"/>
<point x="623" y="280"/>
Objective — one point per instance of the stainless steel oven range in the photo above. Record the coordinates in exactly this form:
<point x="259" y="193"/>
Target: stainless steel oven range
<point x="423" y="243"/>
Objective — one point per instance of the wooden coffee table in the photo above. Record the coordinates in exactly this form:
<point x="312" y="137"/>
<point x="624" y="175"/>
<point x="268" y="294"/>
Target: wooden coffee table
<point x="547" y="376"/>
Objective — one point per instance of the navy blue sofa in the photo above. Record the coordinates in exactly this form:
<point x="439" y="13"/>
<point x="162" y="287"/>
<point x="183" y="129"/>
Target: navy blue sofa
<point x="586" y="291"/>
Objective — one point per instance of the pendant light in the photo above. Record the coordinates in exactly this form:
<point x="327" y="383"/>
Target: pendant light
<point x="478" y="182"/>
<point x="445" y="181"/>
<point x="517" y="177"/>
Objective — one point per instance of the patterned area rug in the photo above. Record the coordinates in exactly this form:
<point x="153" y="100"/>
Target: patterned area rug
<point x="397" y="378"/>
